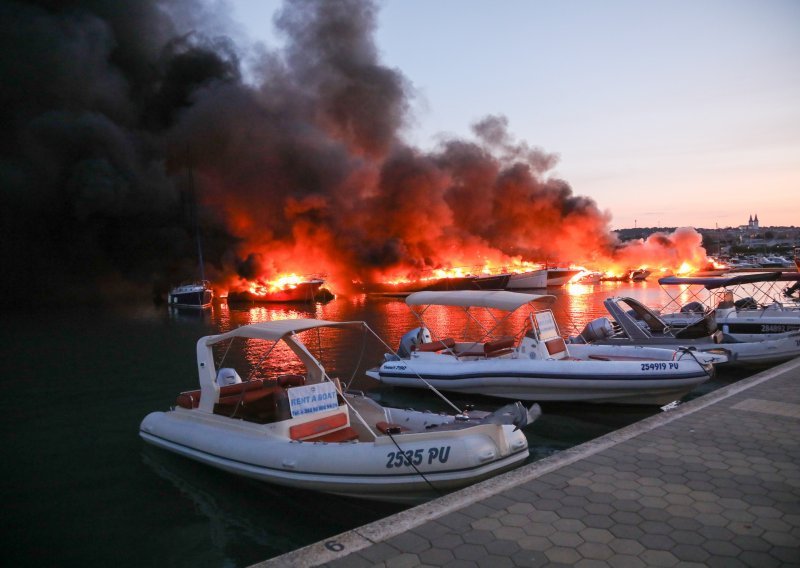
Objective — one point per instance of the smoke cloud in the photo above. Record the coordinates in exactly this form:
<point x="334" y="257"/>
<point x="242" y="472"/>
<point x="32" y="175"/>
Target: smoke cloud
<point x="123" y="118"/>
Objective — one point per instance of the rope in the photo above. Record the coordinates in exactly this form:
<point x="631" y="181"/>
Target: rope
<point x="409" y="462"/>
<point x="360" y="357"/>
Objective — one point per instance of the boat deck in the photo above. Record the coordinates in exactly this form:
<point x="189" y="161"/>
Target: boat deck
<point x="715" y="481"/>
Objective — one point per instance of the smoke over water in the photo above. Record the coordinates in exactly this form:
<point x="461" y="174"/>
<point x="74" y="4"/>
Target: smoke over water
<point x="111" y="108"/>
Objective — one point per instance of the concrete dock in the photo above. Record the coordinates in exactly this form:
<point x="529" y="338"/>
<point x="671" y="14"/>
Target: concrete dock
<point x="713" y="482"/>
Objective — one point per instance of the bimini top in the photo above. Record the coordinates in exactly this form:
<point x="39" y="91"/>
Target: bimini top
<point x="711" y="282"/>
<point x="275" y="330"/>
<point x="498" y="299"/>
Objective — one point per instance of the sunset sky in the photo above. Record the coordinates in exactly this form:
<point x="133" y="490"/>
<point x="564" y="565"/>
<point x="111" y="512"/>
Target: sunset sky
<point x="665" y="113"/>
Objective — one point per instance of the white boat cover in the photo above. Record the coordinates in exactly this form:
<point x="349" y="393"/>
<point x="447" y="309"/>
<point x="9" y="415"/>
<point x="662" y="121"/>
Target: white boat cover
<point x="275" y="330"/>
<point x="498" y="299"/>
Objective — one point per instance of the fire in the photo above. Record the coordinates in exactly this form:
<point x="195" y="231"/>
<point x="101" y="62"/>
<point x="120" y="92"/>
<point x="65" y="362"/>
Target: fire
<point x="282" y="282"/>
<point x="685" y="269"/>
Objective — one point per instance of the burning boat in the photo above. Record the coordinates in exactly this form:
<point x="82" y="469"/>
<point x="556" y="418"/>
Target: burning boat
<point x="288" y="289"/>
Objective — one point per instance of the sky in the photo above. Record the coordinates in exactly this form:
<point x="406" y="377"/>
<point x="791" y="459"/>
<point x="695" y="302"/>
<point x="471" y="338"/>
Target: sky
<point x="680" y="113"/>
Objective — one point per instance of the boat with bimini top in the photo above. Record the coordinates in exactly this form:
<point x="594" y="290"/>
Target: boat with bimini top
<point x="534" y="362"/>
<point x="633" y="323"/>
<point x="747" y="307"/>
<point x="303" y="430"/>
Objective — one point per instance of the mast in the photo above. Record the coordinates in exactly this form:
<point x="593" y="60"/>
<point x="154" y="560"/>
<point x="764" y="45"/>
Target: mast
<point x="196" y="222"/>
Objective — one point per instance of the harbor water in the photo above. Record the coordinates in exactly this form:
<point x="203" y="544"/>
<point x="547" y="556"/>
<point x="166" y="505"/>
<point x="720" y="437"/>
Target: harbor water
<point x="80" y="487"/>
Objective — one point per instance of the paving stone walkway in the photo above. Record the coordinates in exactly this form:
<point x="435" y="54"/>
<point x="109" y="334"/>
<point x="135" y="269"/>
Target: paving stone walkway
<point x="714" y="482"/>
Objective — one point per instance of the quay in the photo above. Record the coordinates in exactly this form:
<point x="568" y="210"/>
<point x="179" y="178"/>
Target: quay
<point x="712" y="482"/>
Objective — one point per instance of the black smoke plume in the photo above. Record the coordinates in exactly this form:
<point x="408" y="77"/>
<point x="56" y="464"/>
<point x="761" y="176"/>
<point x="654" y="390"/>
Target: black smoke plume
<point x="110" y="108"/>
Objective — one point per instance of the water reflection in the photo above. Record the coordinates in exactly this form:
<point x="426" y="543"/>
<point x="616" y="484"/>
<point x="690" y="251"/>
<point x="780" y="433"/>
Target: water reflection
<point x="348" y="354"/>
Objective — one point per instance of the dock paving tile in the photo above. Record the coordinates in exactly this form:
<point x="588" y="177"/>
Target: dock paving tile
<point x="379" y="552"/>
<point x="436" y="556"/>
<point x="690" y="553"/>
<point x="510" y="533"/>
<point x="687" y="537"/>
<point x="478" y="537"/>
<point x="502" y="547"/>
<point x="538" y="529"/>
<point x="626" y="561"/>
<point x="597" y="521"/>
<point x="626" y="546"/>
<point x="722" y="562"/>
<point x="513" y="520"/>
<point x="456" y="521"/>
<point x="569" y="525"/>
<point x="565" y="539"/>
<point x="529" y="559"/>
<point x="657" y="541"/>
<point x="595" y="550"/>
<point x="405" y="560"/>
<point x="658" y="558"/>
<point x="471" y="552"/>
<point x="626" y="531"/>
<point x="353" y="560"/>
<point x="487" y="524"/>
<point x="449" y="541"/>
<point x="626" y="518"/>
<point x="721" y="547"/>
<point x="409" y="542"/>
<point x="786" y="554"/>
<point x="596" y="535"/>
<point x="562" y="554"/>
<point x="534" y="543"/>
<point x="495" y="561"/>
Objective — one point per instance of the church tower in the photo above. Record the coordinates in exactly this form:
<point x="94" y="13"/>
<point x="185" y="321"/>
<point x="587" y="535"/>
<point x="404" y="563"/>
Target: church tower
<point x="755" y="222"/>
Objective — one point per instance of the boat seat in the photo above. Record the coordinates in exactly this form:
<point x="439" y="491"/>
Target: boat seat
<point x="557" y="348"/>
<point x="390" y="428"/>
<point x="190" y="399"/>
<point x="446" y="343"/>
<point x="287" y="381"/>
<point x="499" y="347"/>
<point x="315" y="430"/>
<point x="496" y="348"/>
<point x="260" y="406"/>
<point x="346" y="434"/>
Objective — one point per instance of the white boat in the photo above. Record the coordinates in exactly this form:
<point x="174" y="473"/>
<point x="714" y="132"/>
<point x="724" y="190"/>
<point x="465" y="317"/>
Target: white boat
<point x="560" y="276"/>
<point x="591" y="277"/>
<point x="636" y="324"/>
<point x="303" y="431"/>
<point x="191" y="295"/>
<point x="747" y="307"/>
<point x="531" y="279"/>
<point x="535" y="363"/>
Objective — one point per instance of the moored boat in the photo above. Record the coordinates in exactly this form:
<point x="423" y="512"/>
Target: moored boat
<point x="747" y="307"/>
<point x="309" y="290"/>
<point x="534" y="363"/>
<point x="191" y="295"/>
<point x="530" y="280"/>
<point x="303" y="430"/>
<point x="635" y="324"/>
<point x="560" y="276"/>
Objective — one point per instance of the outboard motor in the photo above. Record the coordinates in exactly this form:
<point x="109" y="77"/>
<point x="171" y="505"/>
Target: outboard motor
<point x="596" y="330"/>
<point x="693" y="308"/>
<point x="227" y="376"/>
<point x="411" y="339"/>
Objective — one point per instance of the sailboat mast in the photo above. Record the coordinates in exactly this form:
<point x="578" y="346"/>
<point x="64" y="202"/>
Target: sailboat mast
<point x="196" y="222"/>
